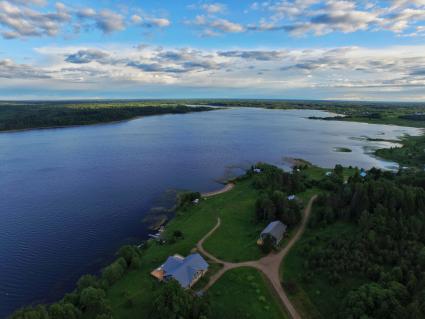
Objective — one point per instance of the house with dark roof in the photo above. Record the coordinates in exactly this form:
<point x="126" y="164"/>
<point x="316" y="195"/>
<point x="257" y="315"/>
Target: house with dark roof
<point x="185" y="270"/>
<point x="275" y="230"/>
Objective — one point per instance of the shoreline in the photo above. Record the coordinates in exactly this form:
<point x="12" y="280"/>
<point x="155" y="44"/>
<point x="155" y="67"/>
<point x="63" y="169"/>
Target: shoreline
<point x="207" y="108"/>
<point x="228" y="187"/>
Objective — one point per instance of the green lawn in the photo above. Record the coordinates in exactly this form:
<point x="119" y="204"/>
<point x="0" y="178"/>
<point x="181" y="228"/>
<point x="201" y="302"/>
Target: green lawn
<point x="236" y="238"/>
<point x="318" y="298"/>
<point x="244" y="293"/>
<point x="194" y="223"/>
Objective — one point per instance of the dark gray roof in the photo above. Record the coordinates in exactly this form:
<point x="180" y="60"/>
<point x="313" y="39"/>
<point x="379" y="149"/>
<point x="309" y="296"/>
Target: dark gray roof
<point x="275" y="229"/>
<point x="184" y="269"/>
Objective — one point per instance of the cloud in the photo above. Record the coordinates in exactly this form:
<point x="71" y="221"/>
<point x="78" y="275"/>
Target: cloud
<point x="300" y="17"/>
<point x="22" y="22"/>
<point x="254" y="55"/>
<point x="216" y="26"/>
<point x="150" y="22"/>
<point x="352" y="70"/>
<point x="30" y="2"/>
<point x="11" y="70"/>
<point x="32" y="18"/>
<point x="87" y="56"/>
<point x="214" y="8"/>
<point x="108" y="21"/>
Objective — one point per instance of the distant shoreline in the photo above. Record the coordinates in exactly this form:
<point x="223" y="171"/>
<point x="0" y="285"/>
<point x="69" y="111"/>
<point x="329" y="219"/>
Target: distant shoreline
<point x="190" y="109"/>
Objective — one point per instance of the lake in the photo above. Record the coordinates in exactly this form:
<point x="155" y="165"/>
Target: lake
<point x="71" y="196"/>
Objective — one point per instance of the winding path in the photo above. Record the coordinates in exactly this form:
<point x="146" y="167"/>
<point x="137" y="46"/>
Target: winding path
<point x="268" y="265"/>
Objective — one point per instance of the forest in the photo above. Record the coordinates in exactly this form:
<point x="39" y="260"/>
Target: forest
<point x="18" y="116"/>
<point x="385" y="250"/>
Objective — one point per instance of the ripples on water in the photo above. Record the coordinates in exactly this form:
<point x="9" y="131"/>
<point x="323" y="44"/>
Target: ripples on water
<point x="70" y="197"/>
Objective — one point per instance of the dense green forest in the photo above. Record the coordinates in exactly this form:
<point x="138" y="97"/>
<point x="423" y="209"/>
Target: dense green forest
<point x="17" y="116"/>
<point x="36" y="114"/>
<point x="365" y="248"/>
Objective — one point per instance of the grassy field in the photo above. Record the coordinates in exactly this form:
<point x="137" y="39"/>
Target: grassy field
<point x="237" y="239"/>
<point x="244" y="293"/>
<point x="316" y="299"/>
<point x="139" y="285"/>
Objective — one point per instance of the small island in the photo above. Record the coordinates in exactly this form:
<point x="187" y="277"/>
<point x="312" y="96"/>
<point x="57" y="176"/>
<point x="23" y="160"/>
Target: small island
<point x="342" y="149"/>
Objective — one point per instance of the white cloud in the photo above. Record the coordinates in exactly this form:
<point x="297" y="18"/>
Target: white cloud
<point x="354" y="70"/>
<point x="150" y="22"/>
<point x="21" y="21"/>
<point x="215" y="26"/>
<point x="31" y="18"/>
<point x="214" y="8"/>
<point x="299" y="17"/>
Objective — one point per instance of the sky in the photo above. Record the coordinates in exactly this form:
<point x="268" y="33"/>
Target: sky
<point x="286" y="49"/>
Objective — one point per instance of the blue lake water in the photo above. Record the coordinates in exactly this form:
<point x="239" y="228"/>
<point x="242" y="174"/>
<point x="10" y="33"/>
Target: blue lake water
<point x="70" y="197"/>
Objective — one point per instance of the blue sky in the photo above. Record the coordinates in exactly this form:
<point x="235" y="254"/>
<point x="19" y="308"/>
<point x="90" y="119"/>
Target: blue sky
<point x="305" y="49"/>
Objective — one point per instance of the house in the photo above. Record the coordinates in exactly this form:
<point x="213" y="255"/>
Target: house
<point x="328" y="173"/>
<point x="186" y="270"/>
<point x="256" y="170"/>
<point x="291" y="197"/>
<point x="275" y="230"/>
<point x="363" y="174"/>
<point x="195" y="201"/>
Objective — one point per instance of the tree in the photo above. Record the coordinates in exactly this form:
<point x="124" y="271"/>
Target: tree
<point x="171" y="302"/>
<point x="280" y="202"/>
<point x="38" y="312"/>
<point x="93" y="300"/>
<point x="87" y="281"/>
<point x="128" y="253"/>
<point x="64" y="311"/>
<point x="268" y="244"/>
<point x="115" y="271"/>
<point x="339" y="170"/>
<point x="265" y="209"/>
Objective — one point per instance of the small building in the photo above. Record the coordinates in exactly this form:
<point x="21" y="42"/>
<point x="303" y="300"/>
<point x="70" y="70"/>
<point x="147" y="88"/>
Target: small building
<point x="256" y="170"/>
<point x="328" y="173"/>
<point x="275" y="230"/>
<point x="291" y="197"/>
<point x="186" y="271"/>
<point x="195" y="201"/>
<point x="363" y="174"/>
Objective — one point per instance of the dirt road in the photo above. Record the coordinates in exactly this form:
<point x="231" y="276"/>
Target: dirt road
<point x="268" y="265"/>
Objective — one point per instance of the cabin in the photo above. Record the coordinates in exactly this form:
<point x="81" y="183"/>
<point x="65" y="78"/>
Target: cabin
<point x="363" y="174"/>
<point x="292" y="197"/>
<point x="185" y="270"/>
<point x="276" y="230"/>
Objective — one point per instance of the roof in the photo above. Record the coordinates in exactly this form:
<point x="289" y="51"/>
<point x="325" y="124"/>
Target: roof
<point x="275" y="229"/>
<point x="184" y="269"/>
<point x="363" y="174"/>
